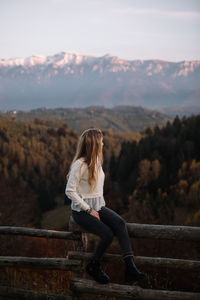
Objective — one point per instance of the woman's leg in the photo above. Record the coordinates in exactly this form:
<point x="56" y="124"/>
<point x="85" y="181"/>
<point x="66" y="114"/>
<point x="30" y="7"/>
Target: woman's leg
<point x="93" y="225"/>
<point x="119" y="228"/>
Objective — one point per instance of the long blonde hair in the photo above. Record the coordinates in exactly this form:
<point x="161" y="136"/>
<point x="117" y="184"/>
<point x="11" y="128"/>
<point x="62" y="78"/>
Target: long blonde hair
<point x="89" y="148"/>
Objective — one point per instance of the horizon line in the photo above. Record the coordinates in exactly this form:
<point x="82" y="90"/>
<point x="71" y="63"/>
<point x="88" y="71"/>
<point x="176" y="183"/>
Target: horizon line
<point x="98" y="56"/>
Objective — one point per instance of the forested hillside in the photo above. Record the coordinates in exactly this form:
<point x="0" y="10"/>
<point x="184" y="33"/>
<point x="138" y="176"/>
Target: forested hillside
<point x="159" y="177"/>
<point x="34" y="159"/>
<point x="121" y="118"/>
<point x="151" y="177"/>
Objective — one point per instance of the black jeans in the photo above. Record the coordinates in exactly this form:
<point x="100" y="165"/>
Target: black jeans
<point x="110" y="224"/>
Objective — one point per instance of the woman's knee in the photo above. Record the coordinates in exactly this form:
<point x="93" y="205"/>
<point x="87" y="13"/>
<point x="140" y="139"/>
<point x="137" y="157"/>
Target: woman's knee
<point x="121" y="223"/>
<point x="108" y="236"/>
<point x="115" y="219"/>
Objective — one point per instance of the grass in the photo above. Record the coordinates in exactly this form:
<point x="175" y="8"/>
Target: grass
<point x="57" y="218"/>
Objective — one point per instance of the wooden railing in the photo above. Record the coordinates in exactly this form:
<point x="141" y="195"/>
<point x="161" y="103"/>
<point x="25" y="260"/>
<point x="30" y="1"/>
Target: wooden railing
<point x="82" y="285"/>
<point x="77" y="259"/>
<point x="38" y="263"/>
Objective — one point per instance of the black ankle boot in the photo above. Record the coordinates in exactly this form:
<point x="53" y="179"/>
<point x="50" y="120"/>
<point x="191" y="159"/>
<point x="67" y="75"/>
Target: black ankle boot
<point x="94" y="269"/>
<point x="132" y="273"/>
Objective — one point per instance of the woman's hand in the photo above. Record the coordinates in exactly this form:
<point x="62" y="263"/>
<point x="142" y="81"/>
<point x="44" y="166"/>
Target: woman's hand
<point x="95" y="214"/>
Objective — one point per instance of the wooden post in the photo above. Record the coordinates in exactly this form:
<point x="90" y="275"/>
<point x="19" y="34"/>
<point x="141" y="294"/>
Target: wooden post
<point x="81" y="245"/>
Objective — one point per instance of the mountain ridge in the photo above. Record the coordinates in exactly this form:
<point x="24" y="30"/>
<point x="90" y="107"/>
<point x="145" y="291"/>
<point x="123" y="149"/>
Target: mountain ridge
<point x="70" y="55"/>
<point x="64" y="58"/>
<point x="76" y="80"/>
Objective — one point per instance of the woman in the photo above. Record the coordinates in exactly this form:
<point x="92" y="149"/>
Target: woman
<point x="85" y="189"/>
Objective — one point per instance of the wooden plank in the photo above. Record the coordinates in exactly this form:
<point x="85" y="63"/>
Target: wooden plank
<point x="167" y="232"/>
<point x="135" y="292"/>
<point x="40" y="263"/>
<point x="188" y="233"/>
<point x="172" y="263"/>
<point x="39" y="232"/>
<point x="21" y="294"/>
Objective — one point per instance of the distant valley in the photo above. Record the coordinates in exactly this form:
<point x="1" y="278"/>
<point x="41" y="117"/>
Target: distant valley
<point x="119" y="118"/>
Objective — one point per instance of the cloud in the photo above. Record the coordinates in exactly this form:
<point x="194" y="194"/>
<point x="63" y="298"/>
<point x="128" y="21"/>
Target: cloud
<point x="185" y="15"/>
<point x="58" y="1"/>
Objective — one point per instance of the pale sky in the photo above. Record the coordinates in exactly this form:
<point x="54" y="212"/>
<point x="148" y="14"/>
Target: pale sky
<point x="130" y="29"/>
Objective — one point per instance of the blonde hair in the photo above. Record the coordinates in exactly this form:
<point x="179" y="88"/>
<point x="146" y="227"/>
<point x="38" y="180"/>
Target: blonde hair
<point x="89" y="148"/>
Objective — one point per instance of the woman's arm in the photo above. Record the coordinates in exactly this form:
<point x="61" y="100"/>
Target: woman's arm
<point x="71" y="187"/>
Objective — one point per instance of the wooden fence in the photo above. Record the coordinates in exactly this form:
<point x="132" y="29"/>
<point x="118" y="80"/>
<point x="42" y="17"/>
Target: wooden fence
<point x="77" y="259"/>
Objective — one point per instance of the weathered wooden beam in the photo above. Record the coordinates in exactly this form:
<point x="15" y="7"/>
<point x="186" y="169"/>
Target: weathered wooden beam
<point x="79" y="285"/>
<point x="21" y="294"/>
<point x="40" y="263"/>
<point x="172" y="263"/>
<point x="168" y="232"/>
<point x="39" y="232"/>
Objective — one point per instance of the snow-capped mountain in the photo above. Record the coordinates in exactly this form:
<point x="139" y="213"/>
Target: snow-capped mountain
<point x="76" y="80"/>
<point x="58" y="60"/>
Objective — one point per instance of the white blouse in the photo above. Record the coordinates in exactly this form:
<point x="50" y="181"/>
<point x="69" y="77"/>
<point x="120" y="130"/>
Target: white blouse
<point x="78" y="188"/>
<point x="94" y="203"/>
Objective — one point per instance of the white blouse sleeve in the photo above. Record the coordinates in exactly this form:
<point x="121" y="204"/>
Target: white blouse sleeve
<point x="71" y="187"/>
